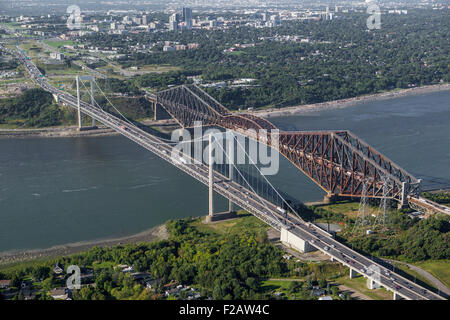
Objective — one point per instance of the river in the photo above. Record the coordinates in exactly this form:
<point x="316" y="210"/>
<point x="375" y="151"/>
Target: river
<point x="64" y="190"/>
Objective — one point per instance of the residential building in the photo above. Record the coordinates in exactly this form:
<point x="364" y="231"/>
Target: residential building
<point x="4" y="284"/>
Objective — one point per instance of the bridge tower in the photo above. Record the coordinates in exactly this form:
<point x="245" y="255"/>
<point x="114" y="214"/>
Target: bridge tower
<point x="91" y="80"/>
<point x="211" y="217"/>
<point x="230" y="136"/>
<point x="211" y="178"/>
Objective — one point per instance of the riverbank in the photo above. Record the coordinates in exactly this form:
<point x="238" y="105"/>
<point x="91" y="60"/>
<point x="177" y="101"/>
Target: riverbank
<point x="344" y="103"/>
<point x="153" y="234"/>
<point x="72" y="131"/>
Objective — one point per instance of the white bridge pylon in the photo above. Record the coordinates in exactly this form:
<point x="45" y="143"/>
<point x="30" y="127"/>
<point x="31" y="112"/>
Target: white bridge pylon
<point x="78" y="80"/>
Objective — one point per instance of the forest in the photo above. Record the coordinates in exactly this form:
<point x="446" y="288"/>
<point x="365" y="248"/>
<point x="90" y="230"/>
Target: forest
<point x="231" y="264"/>
<point x="407" y="239"/>
<point x="33" y="108"/>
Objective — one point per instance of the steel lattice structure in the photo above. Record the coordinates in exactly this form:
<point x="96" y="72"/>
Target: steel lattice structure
<point x="337" y="161"/>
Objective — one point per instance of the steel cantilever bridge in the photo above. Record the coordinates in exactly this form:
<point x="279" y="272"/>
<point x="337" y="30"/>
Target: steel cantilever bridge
<point x="337" y="161"/>
<point x="321" y="155"/>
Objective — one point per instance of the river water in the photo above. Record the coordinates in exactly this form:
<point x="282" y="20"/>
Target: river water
<point x="64" y="190"/>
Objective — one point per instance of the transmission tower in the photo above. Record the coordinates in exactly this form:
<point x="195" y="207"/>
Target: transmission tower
<point x="362" y="219"/>
<point x="383" y="210"/>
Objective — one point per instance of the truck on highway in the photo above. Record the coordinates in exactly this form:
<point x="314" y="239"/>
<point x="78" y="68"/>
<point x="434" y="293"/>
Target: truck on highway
<point x="281" y="210"/>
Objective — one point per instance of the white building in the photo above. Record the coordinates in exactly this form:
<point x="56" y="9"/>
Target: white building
<point x="57" y="56"/>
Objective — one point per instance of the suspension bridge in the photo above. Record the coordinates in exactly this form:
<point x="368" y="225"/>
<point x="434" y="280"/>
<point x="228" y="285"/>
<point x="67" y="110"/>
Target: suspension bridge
<point x="338" y="161"/>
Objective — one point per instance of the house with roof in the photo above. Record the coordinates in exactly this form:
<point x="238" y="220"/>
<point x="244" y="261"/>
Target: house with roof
<point x="58" y="269"/>
<point x="5" y="284"/>
<point x="152" y="284"/>
<point x="60" y="293"/>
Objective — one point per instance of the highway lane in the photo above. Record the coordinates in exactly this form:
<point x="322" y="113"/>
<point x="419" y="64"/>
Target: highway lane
<point x="245" y="197"/>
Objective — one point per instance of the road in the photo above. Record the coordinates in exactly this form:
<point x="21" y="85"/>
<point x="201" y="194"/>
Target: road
<point x="243" y="197"/>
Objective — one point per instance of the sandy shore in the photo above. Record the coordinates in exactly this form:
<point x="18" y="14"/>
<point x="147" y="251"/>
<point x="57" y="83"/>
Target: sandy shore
<point x="72" y="131"/>
<point x="154" y="234"/>
<point x="337" y="104"/>
<point x="60" y="132"/>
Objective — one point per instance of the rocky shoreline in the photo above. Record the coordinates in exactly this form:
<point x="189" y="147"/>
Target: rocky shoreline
<point x="153" y="234"/>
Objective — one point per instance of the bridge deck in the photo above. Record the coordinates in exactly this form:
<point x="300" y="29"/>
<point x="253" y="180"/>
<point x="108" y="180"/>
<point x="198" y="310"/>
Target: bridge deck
<point x="245" y="198"/>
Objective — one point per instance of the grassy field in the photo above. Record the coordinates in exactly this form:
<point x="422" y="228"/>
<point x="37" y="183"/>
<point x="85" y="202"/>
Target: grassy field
<point x="347" y="208"/>
<point x="16" y="80"/>
<point x="245" y="221"/>
<point x="12" y="25"/>
<point x="155" y="68"/>
<point x="360" y="284"/>
<point x="282" y="286"/>
<point x="413" y="274"/>
<point x="438" y="268"/>
<point x="59" y="44"/>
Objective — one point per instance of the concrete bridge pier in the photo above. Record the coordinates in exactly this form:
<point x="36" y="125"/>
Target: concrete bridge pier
<point x="330" y="198"/>
<point x="404" y="197"/>
<point x="396" y="296"/>
<point x="353" y="273"/>
<point x="372" y="284"/>
<point x="294" y="242"/>
<point x="159" y="113"/>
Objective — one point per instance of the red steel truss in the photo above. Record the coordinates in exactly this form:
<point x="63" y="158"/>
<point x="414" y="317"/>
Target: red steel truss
<point x="337" y="161"/>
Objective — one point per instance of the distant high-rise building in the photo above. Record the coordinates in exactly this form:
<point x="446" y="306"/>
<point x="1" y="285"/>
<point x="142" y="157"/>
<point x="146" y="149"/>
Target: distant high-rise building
<point x="265" y="16"/>
<point x="336" y="9"/>
<point x="327" y="10"/>
<point x="144" y="20"/>
<point x="174" y="18"/>
<point x="187" y="17"/>
<point x="275" y="19"/>
<point x="173" y="25"/>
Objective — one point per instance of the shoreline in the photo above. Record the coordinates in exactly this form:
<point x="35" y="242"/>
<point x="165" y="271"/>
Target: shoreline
<point x="55" y="132"/>
<point x="72" y="131"/>
<point x="345" y="103"/>
<point x="14" y="256"/>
